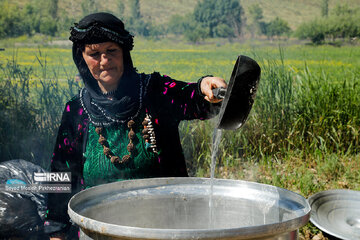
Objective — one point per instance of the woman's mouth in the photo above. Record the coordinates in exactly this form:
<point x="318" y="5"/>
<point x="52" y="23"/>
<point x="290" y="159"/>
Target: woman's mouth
<point x="107" y="70"/>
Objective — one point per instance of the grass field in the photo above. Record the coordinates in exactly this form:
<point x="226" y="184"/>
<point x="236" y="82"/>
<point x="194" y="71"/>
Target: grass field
<point x="303" y="131"/>
<point x="189" y="62"/>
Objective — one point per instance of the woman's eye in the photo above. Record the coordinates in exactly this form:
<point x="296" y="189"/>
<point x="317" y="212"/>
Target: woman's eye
<point x="95" y="54"/>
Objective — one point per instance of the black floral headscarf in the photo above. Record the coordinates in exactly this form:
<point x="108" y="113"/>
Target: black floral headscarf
<point x="101" y="27"/>
<point x="98" y="28"/>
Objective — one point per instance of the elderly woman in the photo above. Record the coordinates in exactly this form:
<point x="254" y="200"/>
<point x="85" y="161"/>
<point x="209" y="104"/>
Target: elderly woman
<point x="123" y="124"/>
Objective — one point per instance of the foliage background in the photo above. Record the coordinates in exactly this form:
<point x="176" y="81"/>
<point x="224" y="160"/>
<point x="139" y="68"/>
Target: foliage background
<point x="194" y="20"/>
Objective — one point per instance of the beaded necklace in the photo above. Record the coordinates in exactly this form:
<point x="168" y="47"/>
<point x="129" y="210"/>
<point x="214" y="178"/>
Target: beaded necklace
<point x="148" y="131"/>
<point x="148" y="135"/>
<point x="106" y="149"/>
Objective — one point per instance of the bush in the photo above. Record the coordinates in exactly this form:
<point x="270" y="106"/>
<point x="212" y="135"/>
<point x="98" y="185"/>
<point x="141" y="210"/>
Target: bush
<point x="223" y="30"/>
<point x="11" y="21"/>
<point x="30" y="113"/>
<point x="339" y="26"/>
<point x="314" y="30"/>
<point x="195" y="32"/>
<point x="277" y="27"/>
<point x="48" y="26"/>
<point x="213" y="14"/>
<point x="18" y="117"/>
<point x="177" y="24"/>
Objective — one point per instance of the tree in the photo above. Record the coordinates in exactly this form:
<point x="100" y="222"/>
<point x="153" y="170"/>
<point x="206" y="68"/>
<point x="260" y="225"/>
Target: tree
<point x="135" y="22"/>
<point x="256" y="13"/>
<point x="120" y="7"/>
<point x="277" y="27"/>
<point x="255" y="17"/>
<point x="214" y="15"/>
<point x="177" y="24"/>
<point x="195" y="32"/>
<point x="344" y="23"/>
<point x="314" y="30"/>
<point x="88" y="6"/>
<point x="48" y="26"/>
<point x="12" y="20"/>
<point x="343" y="10"/>
<point x="53" y="8"/>
<point x="325" y="8"/>
<point x="223" y="30"/>
<point x="135" y="9"/>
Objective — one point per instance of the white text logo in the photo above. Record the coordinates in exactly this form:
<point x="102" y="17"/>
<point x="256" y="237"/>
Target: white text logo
<point x="52" y="177"/>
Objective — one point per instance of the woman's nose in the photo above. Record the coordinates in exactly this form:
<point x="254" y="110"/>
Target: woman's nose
<point x="104" y="59"/>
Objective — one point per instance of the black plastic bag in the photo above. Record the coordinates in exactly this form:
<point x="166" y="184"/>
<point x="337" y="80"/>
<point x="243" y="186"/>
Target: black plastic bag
<point x="22" y="213"/>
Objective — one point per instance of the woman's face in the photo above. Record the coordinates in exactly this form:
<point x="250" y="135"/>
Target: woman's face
<point x="105" y="62"/>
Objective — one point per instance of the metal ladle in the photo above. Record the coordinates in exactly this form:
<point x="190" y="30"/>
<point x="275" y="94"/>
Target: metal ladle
<point x="239" y="95"/>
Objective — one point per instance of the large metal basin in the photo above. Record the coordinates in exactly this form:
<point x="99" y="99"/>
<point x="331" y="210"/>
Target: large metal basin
<point x="184" y="208"/>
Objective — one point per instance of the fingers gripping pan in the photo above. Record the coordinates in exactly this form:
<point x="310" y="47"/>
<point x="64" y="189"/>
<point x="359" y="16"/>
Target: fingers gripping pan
<point x="240" y="94"/>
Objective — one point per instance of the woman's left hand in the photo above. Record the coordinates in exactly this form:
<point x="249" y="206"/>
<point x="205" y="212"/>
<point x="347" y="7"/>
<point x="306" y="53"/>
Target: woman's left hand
<point x="210" y="83"/>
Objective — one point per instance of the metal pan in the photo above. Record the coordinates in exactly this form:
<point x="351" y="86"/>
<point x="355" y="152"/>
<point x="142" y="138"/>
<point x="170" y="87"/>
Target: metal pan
<point x="337" y="212"/>
<point x="180" y="208"/>
<point x="240" y="94"/>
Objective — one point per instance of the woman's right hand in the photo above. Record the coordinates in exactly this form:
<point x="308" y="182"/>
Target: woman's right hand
<point x="210" y="83"/>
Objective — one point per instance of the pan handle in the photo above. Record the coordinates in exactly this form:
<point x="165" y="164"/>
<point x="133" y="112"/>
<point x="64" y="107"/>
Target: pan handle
<point x="219" y="93"/>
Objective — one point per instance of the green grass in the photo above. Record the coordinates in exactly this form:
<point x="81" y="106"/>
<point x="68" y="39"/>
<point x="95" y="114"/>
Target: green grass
<point x="188" y="62"/>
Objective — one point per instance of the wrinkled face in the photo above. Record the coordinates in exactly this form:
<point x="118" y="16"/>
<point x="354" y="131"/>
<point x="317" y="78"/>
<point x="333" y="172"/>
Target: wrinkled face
<point x="105" y="62"/>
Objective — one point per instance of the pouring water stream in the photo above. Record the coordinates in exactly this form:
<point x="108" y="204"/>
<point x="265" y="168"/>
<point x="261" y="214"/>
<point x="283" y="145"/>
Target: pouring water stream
<point x="215" y="147"/>
<point x="238" y="98"/>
